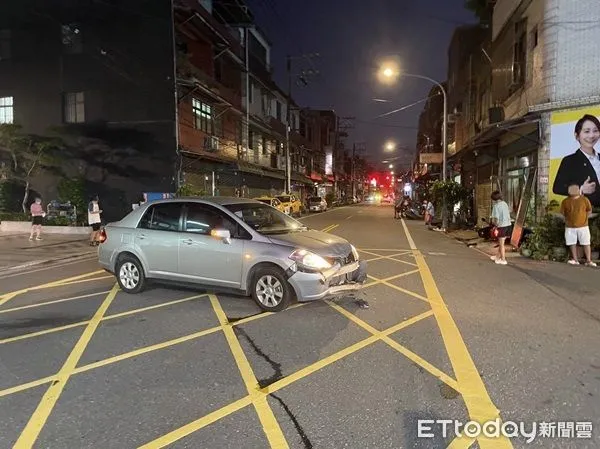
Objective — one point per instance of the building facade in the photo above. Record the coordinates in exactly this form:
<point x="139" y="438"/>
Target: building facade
<point x="195" y="105"/>
<point x="530" y="85"/>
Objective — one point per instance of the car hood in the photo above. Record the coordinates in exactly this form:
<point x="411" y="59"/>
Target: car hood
<point x="321" y="243"/>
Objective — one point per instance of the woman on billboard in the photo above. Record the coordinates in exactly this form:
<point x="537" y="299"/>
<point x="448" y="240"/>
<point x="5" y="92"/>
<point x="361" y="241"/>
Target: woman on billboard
<point x="583" y="166"/>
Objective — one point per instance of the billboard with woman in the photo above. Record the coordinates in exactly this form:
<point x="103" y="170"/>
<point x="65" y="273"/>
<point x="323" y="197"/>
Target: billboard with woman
<point x="574" y="157"/>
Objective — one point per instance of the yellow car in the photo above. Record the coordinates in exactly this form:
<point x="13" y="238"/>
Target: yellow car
<point x="274" y="202"/>
<point x="292" y="203"/>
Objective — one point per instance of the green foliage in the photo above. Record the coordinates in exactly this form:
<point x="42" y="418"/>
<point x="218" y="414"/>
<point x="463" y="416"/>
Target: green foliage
<point x="73" y="190"/>
<point x="454" y="192"/>
<point x="27" y="155"/>
<point x="189" y="190"/>
<point x="329" y="198"/>
<point x="547" y="235"/>
<point x="14" y="216"/>
<point x="481" y="8"/>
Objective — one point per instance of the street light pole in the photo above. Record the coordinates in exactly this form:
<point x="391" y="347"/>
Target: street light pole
<point x="444" y="139"/>
<point x="288" y="168"/>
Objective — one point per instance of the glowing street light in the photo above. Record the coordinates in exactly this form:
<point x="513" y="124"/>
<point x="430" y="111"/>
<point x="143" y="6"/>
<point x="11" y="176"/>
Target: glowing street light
<point x="391" y="165"/>
<point x="390" y="146"/>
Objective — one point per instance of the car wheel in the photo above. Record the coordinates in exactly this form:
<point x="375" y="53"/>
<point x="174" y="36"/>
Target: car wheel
<point x="130" y="275"/>
<point x="270" y="290"/>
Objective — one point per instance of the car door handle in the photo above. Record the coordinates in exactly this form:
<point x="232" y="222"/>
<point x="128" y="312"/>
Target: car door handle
<point x="188" y="241"/>
<point x="142" y="236"/>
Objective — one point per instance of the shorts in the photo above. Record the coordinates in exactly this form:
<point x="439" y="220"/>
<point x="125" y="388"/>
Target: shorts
<point x="37" y="220"/>
<point x="504" y="231"/>
<point x="95" y="226"/>
<point x="581" y="235"/>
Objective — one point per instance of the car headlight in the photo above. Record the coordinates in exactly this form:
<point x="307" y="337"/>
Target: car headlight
<point x="354" y="252"/>
<point x="310" y="260"/>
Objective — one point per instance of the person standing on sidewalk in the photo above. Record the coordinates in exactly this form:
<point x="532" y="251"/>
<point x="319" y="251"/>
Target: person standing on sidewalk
<point x="501" y="219"/>
<point x="94" y="219"/>
<point x="576" y="210"/>
<point x="37" y="214"/>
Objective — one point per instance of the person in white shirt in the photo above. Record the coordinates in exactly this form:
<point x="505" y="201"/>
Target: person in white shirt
<point x="94" y="219"/>
<point x="501" y="219"/>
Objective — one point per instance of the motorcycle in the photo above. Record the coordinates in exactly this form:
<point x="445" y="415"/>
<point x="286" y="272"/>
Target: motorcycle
<point x="401" y="210"/>
<point x="490" y="232"/>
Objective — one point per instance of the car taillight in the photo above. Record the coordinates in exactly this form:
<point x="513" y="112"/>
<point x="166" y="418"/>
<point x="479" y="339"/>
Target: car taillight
<point x="102" y="237"/>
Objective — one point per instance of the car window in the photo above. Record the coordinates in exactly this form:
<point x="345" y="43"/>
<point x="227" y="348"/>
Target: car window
<point x="284" y="199"/>
<point x="162" y="217"/>
<point x="202" y="219"/>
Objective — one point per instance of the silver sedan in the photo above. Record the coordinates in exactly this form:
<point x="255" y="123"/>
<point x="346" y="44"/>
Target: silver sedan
<point x="229" y="243"/>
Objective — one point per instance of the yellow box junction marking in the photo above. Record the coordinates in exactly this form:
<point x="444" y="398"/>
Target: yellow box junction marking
<point x="471" y="386"/>
<point x="33" y="428"/>
<point x="265" y="414"/>
<point x="8" y="296"/>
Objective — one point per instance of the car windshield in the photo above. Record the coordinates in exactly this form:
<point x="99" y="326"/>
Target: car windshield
<point x="284" y="199"/>
<point x="265" y="219"/>
<point x="315" y="199"/>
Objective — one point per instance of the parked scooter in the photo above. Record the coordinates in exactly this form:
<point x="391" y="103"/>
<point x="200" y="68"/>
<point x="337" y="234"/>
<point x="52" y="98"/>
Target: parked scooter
<point x="490" y="232"/>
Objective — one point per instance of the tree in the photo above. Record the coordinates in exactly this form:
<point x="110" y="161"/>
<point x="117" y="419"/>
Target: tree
<point x="27" y="155"/>
<point x="481" y="8"/>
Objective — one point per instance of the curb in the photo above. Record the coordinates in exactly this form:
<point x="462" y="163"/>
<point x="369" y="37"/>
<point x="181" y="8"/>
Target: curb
<point x="37" y="263"/>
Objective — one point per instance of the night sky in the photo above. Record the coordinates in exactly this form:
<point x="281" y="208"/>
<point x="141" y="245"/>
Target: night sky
<point x="352" y="38"/>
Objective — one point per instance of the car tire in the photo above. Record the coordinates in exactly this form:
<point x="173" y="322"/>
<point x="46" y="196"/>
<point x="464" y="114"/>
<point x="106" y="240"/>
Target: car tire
<point x="270" y="289"/>
<point x="130" y="274"/>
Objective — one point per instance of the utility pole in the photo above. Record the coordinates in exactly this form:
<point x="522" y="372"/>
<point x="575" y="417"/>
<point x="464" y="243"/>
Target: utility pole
<point x="288" y="128"/>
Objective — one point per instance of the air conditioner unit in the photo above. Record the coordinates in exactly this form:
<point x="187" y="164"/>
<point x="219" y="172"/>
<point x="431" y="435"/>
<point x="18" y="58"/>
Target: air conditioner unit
<point x="211" y="143"/>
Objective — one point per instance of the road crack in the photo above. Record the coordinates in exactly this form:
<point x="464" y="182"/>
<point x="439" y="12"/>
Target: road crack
<point x="262" y="383"/>
<point x="305" y="440"/>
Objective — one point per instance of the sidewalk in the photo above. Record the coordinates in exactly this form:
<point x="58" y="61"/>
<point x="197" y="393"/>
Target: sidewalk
<point x="17" y="252"/>
<point x="577" y="285"/>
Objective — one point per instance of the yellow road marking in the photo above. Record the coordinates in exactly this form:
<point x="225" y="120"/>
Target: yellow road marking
<point x="329" y="228"/>
<point x="385" y="257"/>
<point x="395" y="287"/>
<point x="140" y="351"/>
<point x="390" y="258"/>
<point x="400" y="348"/>
<point x="56" y="301"/>
<point x="266" y="416"/>
<point x="87" y="280"/>
<point x="198" y="424"/>
<point x="44" y="332"/>
<point x="472" y="388"/>
<point x="8" y="296"/>
<point x="106" y="318"/>
<point x="384" y="249"/>
<point x="302" y="373"/>
<point x="26" y="386"/>
<point x="33" y="428"/>
<point x="462" y="442"/>
<point x="194" y="426"/>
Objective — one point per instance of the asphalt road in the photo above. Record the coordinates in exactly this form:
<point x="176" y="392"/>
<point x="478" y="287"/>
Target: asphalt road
<point x="448" y="336"/>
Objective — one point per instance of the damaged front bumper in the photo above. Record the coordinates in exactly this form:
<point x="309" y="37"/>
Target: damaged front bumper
<point x="332" y="282"/>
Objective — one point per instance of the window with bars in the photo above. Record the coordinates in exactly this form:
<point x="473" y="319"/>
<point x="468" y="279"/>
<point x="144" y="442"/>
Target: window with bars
<point x="203" y="116"/>
<point x="6" y="110"/>
<point x="74" y="107"/>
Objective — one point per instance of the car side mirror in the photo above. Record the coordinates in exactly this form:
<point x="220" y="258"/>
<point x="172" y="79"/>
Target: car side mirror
<point x="221" y="234"/>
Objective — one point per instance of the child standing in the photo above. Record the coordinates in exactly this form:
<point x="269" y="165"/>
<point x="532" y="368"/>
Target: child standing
<point x="576" y="209"/>
<point x="37" y="214"/>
